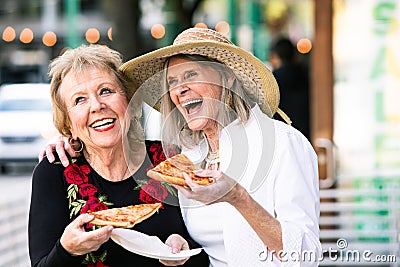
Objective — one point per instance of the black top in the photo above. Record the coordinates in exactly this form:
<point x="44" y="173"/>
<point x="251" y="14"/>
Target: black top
<point x="60" y="194"/>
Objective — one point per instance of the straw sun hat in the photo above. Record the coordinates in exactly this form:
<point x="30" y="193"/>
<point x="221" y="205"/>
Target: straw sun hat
<point x="209" y="43"/>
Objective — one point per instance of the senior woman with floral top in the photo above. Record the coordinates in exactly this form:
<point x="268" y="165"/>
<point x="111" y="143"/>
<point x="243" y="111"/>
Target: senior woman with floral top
<point x="90" y="100"/>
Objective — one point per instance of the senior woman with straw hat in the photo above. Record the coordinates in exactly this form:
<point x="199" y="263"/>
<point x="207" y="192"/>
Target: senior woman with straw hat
<point x="217" y="101"/>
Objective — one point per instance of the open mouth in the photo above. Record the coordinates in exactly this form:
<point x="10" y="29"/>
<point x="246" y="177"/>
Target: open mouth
<point x="193" y="105"/>
<point x="102" y="124"/>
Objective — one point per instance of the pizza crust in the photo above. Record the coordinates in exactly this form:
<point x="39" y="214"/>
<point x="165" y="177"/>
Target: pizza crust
<point x="102" y="223"/>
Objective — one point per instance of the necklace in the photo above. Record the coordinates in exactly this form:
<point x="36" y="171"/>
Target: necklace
<point x="212" y="161"/>
<point x="212" y="156"/>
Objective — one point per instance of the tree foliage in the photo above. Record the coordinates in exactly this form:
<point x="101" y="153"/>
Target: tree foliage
<point x="132" y="41"/>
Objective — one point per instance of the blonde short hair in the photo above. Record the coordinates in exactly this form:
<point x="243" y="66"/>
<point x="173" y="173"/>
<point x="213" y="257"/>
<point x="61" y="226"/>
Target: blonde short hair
<point x="77" y="60"/>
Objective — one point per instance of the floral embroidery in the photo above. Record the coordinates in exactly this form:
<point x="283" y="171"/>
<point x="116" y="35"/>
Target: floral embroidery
<point x="87" y="190"/>
<point x="98" y="263"/>
<point x="95" y="261"/>
<point x="75" y="174"/>
<point x="152" y="191"/>
<point x="81" y="199"/>
<point x="82" y="195"/>
<point x="156" y="153"/>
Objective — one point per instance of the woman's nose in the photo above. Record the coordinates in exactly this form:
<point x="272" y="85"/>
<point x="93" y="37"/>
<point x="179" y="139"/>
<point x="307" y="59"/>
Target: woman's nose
<point x="96" y="104"/>
<point x="181" y="89"/>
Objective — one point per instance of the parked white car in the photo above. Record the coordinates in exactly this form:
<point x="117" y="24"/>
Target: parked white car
<point x="26" y="122"/>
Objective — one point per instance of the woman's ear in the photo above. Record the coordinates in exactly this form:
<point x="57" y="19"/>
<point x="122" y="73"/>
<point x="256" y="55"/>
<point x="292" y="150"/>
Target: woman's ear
<point x="72" y="135"/>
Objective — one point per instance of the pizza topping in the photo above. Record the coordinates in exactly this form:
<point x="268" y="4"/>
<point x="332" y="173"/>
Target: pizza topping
<point x="172" y="169"/>
<point x="181" y="161"/>
<point x="124" y="217"/>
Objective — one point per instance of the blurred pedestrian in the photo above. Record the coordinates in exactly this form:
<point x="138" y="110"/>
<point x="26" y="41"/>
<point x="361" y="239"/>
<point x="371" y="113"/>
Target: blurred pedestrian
<point x="293" y="80"/>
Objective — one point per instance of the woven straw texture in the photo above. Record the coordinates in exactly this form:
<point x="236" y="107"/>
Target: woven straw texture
<point x="256" y="78"/>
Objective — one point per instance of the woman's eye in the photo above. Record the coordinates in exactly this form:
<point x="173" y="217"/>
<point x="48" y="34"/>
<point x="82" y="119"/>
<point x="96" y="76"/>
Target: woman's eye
<point x="172" y="82"/>
<point x="79" y="100"/>
<point x="190" y="74"/>
<point x="105" y="91"/>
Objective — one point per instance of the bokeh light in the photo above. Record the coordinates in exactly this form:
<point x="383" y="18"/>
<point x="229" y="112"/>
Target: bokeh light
<point x="222" y="27"/>
<point x="304" y="45"/>
<point x="92" y="35"/>
<point x="276" y="9"/>
<point x="201" y="25"/>
<point x="49" y="39"/>
<point x="26" y="36"/>
<point x="157" y="31"/>
<point x="9" y="34"/>
<point x="109" y="34"/>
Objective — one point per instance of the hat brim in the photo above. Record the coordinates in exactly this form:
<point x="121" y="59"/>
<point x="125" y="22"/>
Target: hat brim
<point x="264" y="89"/>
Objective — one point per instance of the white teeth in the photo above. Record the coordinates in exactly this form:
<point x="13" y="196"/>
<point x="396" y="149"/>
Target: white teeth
<point x="102" y="122"/>
<point x="191" y="102"/>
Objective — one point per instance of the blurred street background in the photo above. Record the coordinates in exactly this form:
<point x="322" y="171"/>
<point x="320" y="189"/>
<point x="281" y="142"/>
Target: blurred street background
<point x="346" y="101"/>
<point x="14" y="205"/>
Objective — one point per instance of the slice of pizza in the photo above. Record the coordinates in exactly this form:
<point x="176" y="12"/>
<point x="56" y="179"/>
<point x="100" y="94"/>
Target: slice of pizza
<point x="124" y="217"/>
<point x="171" y="170"/>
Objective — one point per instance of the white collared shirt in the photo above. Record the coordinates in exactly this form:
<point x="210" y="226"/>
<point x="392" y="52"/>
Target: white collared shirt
<point x="278" y="167"/>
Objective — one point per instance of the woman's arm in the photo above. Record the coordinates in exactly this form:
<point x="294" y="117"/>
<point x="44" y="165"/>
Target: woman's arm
<point x="263" y="223"/>
<point x="295" y="198"/>
<point x="226" y="189"/>
<point x="48" y="216"/>
<point x="53" y="239"/>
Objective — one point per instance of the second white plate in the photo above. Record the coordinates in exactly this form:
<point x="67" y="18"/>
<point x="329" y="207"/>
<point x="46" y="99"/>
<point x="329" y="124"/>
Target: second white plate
<point x="148" y="246"/>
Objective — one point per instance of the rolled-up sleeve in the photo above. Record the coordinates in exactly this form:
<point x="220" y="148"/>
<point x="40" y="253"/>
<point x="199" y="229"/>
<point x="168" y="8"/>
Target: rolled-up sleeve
<point x="296" y="200"/>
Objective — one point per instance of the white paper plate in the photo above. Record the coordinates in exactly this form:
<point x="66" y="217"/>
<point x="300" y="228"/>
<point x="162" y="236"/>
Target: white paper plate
<point x="148" y="246"/>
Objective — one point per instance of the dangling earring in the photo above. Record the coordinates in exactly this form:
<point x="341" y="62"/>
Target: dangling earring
<point x="72" y="142"/>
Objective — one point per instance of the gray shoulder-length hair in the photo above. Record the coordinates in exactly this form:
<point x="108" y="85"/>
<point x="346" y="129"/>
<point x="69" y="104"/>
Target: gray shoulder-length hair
<point x="235" y="102"/>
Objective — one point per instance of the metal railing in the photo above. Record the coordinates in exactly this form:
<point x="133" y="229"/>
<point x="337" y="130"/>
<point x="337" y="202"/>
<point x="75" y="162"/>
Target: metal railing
<point x="13" y="232"/>
<point x="360" y="226"/>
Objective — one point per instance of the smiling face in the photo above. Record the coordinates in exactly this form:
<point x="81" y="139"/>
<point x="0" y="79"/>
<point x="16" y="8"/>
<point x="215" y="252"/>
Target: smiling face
<point x="96" y="106"/>
<point x="196" y="90"/>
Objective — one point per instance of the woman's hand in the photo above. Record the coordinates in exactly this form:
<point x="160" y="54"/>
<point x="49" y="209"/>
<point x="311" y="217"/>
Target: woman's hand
<point x="77" y="241"/>
<point x="177" y="243"/>
<point x="224" y="188"/>
<point x="60" y="146"/>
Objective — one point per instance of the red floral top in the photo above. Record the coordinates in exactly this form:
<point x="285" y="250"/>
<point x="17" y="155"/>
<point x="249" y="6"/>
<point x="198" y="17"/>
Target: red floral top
<point x="82" y="195"/>
<point x="85" y="190"/>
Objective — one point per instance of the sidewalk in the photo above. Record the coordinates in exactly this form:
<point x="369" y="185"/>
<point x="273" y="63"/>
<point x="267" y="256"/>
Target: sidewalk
<point x="14" y="205"/>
